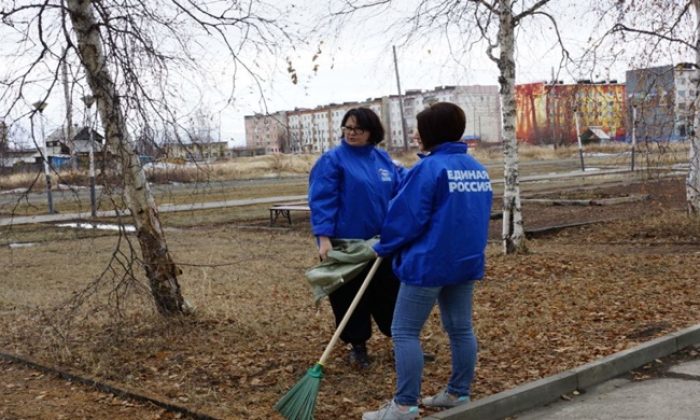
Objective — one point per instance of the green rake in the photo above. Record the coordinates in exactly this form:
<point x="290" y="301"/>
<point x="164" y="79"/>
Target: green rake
<point x="300" y="401"/>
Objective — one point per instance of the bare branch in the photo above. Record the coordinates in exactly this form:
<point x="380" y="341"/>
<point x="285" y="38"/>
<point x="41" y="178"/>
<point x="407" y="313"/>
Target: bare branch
<point x="530" y="11"/>
<point x="620" y="27"/>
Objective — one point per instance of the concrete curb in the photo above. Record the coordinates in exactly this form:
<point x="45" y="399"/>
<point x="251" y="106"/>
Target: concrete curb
<point x="547" y="390"/>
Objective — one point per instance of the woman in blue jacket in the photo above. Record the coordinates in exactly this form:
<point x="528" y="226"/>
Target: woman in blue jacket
<point x="436" y="228"/>
<point x="349" y="191"/>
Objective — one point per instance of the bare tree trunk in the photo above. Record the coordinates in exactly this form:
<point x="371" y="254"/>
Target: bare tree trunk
<point x="158" y="263"/>
<point x="693" y="181"/>
<point x="513" y="230"/>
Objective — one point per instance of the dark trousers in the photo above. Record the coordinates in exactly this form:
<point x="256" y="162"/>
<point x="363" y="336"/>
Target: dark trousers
<point x="378" y="302"/>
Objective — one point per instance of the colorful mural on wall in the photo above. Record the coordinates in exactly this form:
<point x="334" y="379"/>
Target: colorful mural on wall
<point x="545" y="112"/>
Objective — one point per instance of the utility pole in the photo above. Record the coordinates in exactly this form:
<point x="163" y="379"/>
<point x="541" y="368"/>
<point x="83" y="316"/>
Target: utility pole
<point x="89" y="100"/>
<point x="69" y="112"/>
<point x="40" y="106"/>
<point x="634" y="134"/>
<point x="403" y="118"/>
<point x="578" y="139"/>
<point x="551" y="112"/>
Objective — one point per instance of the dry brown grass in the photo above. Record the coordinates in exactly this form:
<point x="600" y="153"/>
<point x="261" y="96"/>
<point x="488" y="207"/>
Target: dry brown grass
<point x="274" y="165"/>
<point x="21" y="180"/>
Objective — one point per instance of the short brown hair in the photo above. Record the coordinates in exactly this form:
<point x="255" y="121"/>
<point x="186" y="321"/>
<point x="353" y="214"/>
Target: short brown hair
<point x="440" y="123"/>
<point x="367" y="120"/>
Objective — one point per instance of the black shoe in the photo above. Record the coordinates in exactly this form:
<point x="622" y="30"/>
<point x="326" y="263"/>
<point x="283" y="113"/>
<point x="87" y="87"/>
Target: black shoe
<point x="358" y="357"/>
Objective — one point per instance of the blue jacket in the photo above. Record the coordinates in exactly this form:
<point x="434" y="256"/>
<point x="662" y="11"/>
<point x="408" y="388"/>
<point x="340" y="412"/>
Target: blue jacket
<point x="349" y="191"/>
<point x="437" y="225"/>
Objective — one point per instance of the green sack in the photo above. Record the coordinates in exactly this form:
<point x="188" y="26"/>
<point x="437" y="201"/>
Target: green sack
<point x="344" y="263"/>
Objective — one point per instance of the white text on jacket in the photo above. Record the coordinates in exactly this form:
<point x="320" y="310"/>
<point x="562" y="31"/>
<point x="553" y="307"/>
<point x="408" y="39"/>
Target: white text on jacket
<point x="468" y="180"/>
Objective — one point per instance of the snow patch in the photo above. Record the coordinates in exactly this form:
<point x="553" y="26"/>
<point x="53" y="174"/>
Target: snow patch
<point x="99" y="226"/>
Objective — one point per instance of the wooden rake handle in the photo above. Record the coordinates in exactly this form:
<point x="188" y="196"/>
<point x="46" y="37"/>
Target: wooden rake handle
<point x="351" y="309"/>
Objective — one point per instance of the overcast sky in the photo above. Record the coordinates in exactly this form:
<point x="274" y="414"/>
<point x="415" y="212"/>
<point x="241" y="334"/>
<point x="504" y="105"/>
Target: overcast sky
<point x="358" y="64"/>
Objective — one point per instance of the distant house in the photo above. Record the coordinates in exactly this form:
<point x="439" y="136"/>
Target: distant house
<point x="56" y="143"/>
<point x="198" y="151"/>
<point x="81" y="142"/>
<point x="594" y="134"/>
<point x="10" y="158"/>
<point x="59" y="151"/>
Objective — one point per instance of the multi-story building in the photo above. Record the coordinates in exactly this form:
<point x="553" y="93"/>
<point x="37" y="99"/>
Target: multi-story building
<point x="661" y="101"/>
<point x="311" y="129"/>
<point x="546" y="112"/>
<point x="269" y="132"/>
<point x="481" y="105"/>
<point x="393" y="127"/>
<point x="318" y="129"/>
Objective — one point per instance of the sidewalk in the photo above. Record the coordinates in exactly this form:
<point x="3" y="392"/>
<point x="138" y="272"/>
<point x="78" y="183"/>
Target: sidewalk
<point x="666" y="389"/>
<point x="605" y="389"/>
<point x="44" y="218"/>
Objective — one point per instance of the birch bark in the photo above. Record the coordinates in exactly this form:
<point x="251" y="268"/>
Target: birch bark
<point x="160" y="268"/>
<point x="513" y="230"/>
<point x="693" y="180"/>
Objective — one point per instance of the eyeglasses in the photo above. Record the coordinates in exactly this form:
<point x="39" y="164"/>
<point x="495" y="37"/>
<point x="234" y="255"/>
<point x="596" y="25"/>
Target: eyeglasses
<point x="353" y="130"/>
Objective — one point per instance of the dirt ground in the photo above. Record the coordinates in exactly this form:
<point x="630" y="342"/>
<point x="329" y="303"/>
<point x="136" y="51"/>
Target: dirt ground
<point x="578" y="294"/>
<point x="28" y="394"/>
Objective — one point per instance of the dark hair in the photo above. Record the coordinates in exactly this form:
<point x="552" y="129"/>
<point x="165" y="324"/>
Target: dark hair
<point x="440" y="123"/>
<point x="367" y="120"/>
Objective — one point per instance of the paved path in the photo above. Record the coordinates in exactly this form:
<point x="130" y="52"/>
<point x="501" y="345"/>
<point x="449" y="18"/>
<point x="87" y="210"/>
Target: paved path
<point x="606" y="389"/>
<point x="162" y="208"/>
<point x="671" y="393"/>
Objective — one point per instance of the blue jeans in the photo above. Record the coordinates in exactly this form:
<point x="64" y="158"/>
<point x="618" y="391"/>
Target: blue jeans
<point x="413" y="307"/>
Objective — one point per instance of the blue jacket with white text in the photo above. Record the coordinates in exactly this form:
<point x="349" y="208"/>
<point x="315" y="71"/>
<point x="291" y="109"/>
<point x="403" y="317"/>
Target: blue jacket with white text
<point x="437" y="225"/>
<point x="349" y="191"/>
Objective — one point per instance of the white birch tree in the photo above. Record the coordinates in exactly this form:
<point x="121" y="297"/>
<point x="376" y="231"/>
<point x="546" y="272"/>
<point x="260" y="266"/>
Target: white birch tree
<point x="693" y="181"/>
<point x="495" y="22"/>
<point x="130" y="51"/>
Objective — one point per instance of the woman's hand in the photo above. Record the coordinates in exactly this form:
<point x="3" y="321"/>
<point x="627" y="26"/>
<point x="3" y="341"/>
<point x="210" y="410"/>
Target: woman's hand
<point x="324" y="245"/>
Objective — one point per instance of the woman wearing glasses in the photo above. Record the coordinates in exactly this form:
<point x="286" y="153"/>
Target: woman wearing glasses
<point x="349" y="191"/>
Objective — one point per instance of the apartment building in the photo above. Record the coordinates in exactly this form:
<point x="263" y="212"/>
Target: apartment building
<point x="318" y="129"/>
<point x="268" y="131"/>
<point x="661" y="101"/>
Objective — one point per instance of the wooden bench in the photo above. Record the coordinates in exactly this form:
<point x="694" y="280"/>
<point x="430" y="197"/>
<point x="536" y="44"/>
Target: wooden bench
<point x="285" y="209"/>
